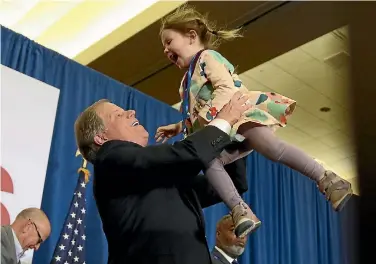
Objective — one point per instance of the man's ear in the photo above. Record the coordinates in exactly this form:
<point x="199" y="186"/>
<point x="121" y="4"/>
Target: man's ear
<point x="26" y="226"/>
<point x="100" y="139"/>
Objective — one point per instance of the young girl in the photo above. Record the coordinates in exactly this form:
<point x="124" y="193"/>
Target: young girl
<point x="207" y="86"/>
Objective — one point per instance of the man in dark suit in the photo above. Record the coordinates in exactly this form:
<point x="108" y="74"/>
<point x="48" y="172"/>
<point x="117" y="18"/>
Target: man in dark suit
<point x="30" y="228"/>
<point x="150" y="197"/>
<point x="228" y="247"/>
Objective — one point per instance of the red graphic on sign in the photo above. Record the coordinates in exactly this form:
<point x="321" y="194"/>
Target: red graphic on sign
<point x="6" y="186"/>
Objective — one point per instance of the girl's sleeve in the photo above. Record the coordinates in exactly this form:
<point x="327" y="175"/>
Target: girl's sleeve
<point x="217" y="70"/>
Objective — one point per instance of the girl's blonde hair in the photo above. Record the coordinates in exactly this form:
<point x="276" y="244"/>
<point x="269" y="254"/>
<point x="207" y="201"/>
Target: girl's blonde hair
<point x="186" y="18"/>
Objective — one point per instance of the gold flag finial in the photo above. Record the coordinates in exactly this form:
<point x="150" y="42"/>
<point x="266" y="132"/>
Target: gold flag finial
<point x="86" y="172"/>
<point x="84" y="164"/>
<point x="83" y="167"/>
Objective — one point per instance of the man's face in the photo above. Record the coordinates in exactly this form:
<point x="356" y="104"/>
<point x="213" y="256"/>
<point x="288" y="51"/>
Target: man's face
<point x="34" y="233"/>
<point x="227" y="240"/>
<point x="120" y="125"/>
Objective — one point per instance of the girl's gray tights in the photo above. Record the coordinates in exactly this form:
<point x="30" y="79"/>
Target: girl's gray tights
<point x="262" y="140"/>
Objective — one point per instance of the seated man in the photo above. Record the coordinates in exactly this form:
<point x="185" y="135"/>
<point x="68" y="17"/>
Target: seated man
<point x="28" y="231"/>
<point x="149" y="197"/>
<point x="228" y="247"/>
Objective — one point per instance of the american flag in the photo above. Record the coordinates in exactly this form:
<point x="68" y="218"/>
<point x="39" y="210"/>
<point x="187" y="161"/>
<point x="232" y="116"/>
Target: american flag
<point x="70" y="248"/>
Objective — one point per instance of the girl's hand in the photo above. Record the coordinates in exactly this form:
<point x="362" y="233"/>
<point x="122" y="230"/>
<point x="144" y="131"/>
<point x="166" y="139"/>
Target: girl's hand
<point x="165" y="132"/>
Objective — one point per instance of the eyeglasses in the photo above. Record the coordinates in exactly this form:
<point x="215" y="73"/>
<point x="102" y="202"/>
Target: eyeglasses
<point x="40" y="241"/>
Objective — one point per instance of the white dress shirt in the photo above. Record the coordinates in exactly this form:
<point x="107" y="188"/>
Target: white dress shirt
<point x="19" y="251"/>
<point x="227" y="257"/>
<point x="221" y="124"/>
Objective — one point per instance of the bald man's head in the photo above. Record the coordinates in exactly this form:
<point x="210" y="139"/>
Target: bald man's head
<point x="32" y="227"/>
<point x="226" y="238"/>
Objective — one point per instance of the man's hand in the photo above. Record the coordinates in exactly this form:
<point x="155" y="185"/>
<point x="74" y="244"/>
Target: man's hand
<point x="234" y="109"/>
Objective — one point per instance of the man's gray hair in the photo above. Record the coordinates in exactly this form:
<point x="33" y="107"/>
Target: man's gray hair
<point x="87" y="125"/>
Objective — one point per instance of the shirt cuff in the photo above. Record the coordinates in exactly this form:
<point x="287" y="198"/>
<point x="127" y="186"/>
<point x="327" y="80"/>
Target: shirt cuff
<point x="221" y="124"/>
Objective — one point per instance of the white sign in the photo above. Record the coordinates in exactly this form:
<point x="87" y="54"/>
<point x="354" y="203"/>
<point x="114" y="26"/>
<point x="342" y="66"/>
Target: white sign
<point x="28" y="109"/>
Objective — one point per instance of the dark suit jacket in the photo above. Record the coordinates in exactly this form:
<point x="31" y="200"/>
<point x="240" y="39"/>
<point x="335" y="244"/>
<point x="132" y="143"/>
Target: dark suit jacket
<point x="8" y="249"/>
<point x="150" y="198"/>
<point x="218" y="258"/>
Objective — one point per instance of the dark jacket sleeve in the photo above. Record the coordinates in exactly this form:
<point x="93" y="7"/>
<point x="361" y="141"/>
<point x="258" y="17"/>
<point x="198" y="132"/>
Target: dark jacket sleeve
<point x="137" y="166"/>
<point x="208" y="196"/>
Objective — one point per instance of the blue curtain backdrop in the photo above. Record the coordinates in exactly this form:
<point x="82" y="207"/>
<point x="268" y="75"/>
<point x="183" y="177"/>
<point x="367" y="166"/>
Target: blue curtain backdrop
<point x="79" y="87"/>
<point x="298" y="225"/>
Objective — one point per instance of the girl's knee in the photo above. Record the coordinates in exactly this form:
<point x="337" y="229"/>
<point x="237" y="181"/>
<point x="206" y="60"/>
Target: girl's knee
<point x="274" y="151"/>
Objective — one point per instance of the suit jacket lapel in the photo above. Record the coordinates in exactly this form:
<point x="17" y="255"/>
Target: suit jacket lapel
<point x="10" y="246"/>
<point x="217" y="255"/>
<point x="11" y="239"/>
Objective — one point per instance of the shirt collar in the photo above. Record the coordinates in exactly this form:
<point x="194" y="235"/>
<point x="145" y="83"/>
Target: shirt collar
<point x="227" y="257"/>
<point x="19" y="251"/>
